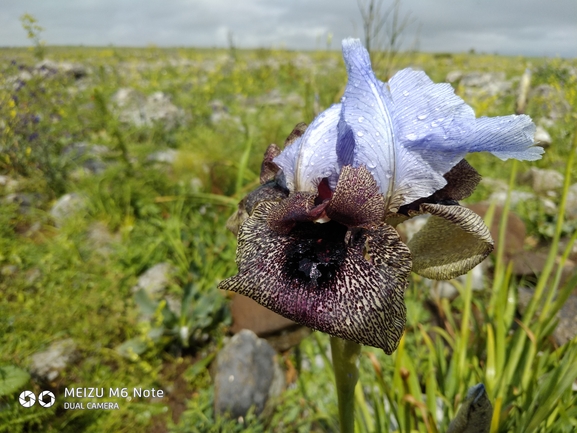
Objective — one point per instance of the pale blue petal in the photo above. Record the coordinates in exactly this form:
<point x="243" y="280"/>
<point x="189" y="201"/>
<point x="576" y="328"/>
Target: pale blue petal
<point x="438" y="124"/>
<point x="313" y="157"/>
<point x="430" y="119"/>
<point x="403" y="175"/>
<point x="506" y="137"/>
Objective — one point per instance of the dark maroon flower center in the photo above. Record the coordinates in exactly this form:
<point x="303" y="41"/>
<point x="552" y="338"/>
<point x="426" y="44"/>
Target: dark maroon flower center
<point x="317" y="254"/>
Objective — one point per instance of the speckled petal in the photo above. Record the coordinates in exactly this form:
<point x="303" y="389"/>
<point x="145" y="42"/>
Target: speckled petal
<point x="347" y="283"/>
<point x="453" y="241"/>
<point x="357" y="200"/>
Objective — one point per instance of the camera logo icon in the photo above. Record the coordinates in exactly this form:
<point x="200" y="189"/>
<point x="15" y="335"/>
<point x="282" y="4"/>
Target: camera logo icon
<point x="45" y="399"/>
<point x="27" y="399"/>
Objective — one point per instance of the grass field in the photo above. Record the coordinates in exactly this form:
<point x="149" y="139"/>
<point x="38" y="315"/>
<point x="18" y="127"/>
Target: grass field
<point x="60" y="280"/>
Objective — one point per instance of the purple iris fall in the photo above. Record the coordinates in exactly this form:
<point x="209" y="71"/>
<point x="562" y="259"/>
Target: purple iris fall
<point x="316" y="241"/>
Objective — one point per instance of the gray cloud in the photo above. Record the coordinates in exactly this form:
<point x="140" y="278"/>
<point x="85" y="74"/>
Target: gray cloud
<point x="514" y="27"/>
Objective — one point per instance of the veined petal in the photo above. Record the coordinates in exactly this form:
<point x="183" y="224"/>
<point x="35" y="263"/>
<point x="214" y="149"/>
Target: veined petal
<point x="347" y="283"/>
<point x="313" y="156"/>
<point x="431" y="120"/>
<point x="368" y="112"/>
<point x="452" y="242"/>
<point x="506" y="137"/>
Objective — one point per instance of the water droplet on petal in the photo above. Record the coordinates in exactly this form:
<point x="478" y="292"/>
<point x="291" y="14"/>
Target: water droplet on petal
<point x="411" y="137"/>
<point x="405" y="93"/>
<point x="422" y="116"/>
<point x="356" y="84"/>
<point x="326" y="140"/>
<point x="389" y="174"/>
<point x="371" y="165"/>
<point x="360" y="133"/>
<point x="434" y="124"/>
<point x="343" y="99"/>
<point x="377" y="133"/>
<point x="361" y="119"/>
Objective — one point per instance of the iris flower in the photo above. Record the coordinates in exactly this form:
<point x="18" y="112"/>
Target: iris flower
<point x="317" y="240"/>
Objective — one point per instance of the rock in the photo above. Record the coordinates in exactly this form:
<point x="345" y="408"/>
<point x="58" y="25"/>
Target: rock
<point x="488" y="83"/>
<point x="496" y="185"/>
<point x="551" y="101"/>
<point x="246" y="375"/>
<point x="566" y="328"/>
<point x="288" y="338"/>
<point x="86" y="156"/>
<point x="220" y="113"/>
<point x="159" y="108"/>
<point x="454" y="76"/>
<point x="167" y="156"/>
<point x="448" y="289"/>
<point x="516" y="230"/>
<point x="48" y="365"/>
<point x="280" y="332"/>
<point x="542" y="181"/>
<point x="8" y="185"/>
<point x="542" y="137"/>
<point x="249" y="314"/>
<point x="67" y="206"/>
<point x="25" y="201"/>
<point x="410" y="227"/>
<point x="530" y="265"/>
<point x="571" y="205"/>
<point x="155" y="280"/>
<point x="129" y="104"/>
<point x="134" y="107"/>
<point x="49" y="68"/>
<point x="100" y="239"/>
<point x="518" y="197"/>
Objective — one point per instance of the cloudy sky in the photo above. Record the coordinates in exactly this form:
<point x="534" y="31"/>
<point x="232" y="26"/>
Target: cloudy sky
<point x="512" y="27"/>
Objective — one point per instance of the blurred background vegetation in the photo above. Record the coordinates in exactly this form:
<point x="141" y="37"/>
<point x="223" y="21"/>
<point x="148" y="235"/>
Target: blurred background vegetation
<point x="154" y="147"/>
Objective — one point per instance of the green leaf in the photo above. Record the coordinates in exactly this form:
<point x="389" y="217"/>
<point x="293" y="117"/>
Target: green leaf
<point x="12" y="379"/>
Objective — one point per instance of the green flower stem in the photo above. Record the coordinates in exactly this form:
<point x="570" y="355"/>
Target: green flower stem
<point x="345" y="355"/>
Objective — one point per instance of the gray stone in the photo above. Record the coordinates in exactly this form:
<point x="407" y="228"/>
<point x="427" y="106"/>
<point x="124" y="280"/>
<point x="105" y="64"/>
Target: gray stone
<point x="221" y="114"/>
<point x="566" y="328"/>
<point x="246" y="375"/>
<point x="155" y="280"/>
<point x="454" y="76"/>
<point x="167" y="156"/>
<point x="542" y="181"/>
<point x="280" y="332"/>
<point x="448" y="288"/>
<point x="496" y="185"/>
<point x="551" y="101"/>
<point x="159" y="108"/>
<point x="8" y="185"/>
<point x="48" y="68"/>
<point x="48" y="364"/>
<point x="88" y="157"/>
<point x="488" y="83"/>
<point x="515" y="235"/>
<point x="542" y="137"/>
<point x="23" y="200"/>
<point x="137" y="109"/>
<point x="499" y="197"/>
<point x="411" y="226"/>
<point x="100" y="239"/>
<point x="67" y="206"/>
